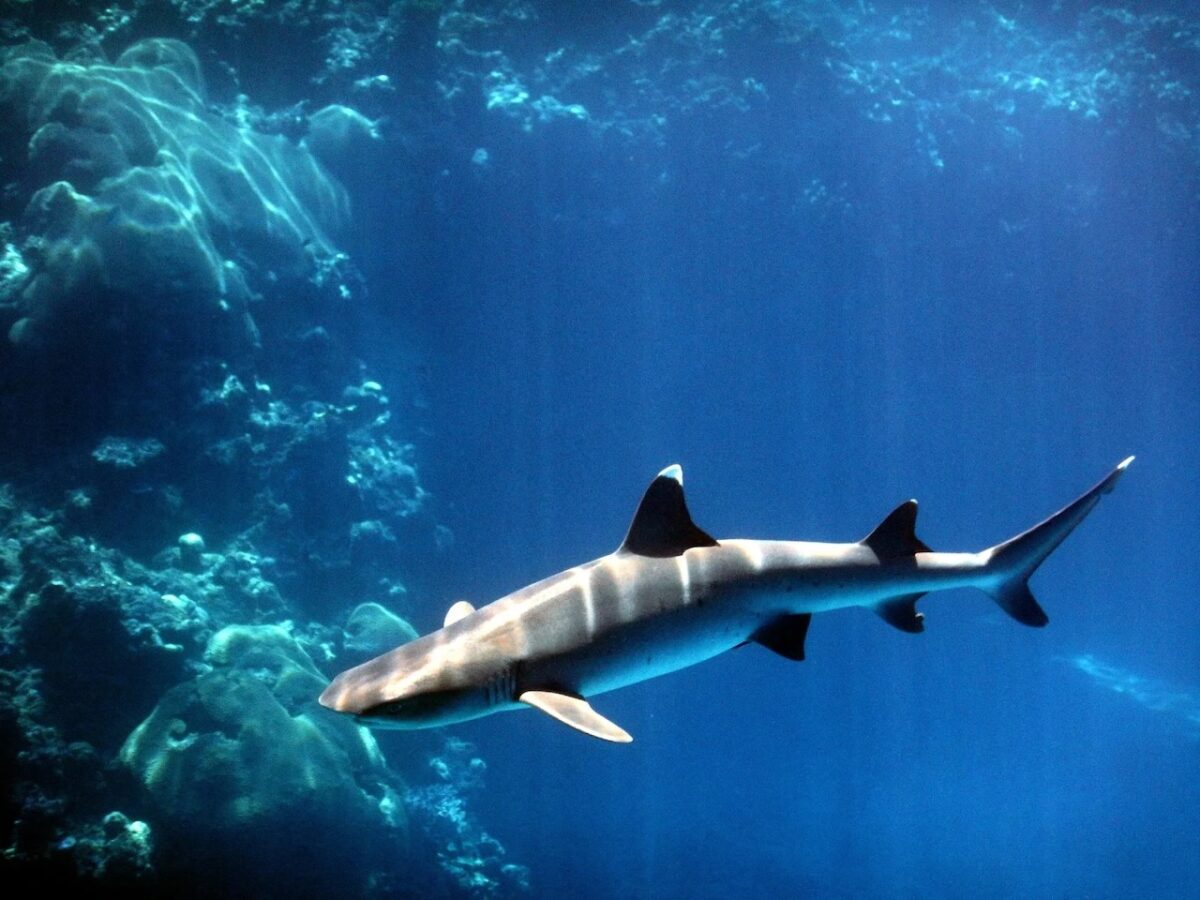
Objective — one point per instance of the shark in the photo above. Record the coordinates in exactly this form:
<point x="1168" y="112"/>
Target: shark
<point x="671" y="596"/>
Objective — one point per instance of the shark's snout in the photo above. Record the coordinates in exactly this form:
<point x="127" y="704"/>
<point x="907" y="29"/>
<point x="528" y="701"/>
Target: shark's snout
<point x="348" y="694"/>
<point x="334" y="697"/>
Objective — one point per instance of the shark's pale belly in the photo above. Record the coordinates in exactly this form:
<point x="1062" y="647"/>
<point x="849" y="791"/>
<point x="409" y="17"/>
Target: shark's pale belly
<point x="640" y="650"/>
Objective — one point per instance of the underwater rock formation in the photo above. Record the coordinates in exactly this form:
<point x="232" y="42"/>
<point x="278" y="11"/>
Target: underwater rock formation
<point x="155" y="240"/>
<point x="233" y="765"/>
<point x="472" y="857"/>
<point x="374" y="629"/>
<point x="147" y="208"/>
<point x="242" y="766"/>
<point x="197" y="453"/>
<point x="88" y="619"/>
<point x="168" y="266"/>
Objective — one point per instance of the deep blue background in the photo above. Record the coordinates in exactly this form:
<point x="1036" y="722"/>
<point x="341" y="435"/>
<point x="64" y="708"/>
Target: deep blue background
<point x="989" y="337"/>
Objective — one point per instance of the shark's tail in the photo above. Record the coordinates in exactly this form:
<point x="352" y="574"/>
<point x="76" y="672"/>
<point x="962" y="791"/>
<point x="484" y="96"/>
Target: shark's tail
<point x="1012" y="562"/>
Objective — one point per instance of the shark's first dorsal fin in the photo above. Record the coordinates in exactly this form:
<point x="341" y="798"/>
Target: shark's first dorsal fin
<point x="459" y="610"/>
<point x="576" y="712"/>
<point x="662" y="525"/>
<point x="896" y="536"/>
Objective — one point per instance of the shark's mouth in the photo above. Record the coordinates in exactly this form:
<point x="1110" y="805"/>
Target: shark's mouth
<point x="419" y="711"/>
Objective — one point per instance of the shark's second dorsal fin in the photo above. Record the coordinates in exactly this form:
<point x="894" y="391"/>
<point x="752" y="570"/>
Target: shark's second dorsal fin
<point x="662" y="525"/>
<point x="896" y="536"/>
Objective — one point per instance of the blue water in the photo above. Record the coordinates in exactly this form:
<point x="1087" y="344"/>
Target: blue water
<point x="989" y="336"/>
<point x="826" y="257"/>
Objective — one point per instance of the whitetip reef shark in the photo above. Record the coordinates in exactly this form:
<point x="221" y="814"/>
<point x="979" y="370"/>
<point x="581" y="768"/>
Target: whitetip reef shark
<point x="669" y="597"/>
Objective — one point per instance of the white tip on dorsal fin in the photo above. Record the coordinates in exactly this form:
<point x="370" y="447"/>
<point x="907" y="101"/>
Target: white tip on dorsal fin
<point x="459" y="610"/>
<point x="576" y="712"/>
<point x="662" y="525"/>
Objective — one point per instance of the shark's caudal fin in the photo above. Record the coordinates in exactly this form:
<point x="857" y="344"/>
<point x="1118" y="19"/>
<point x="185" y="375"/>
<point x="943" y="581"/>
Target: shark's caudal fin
<point x="1016" y="559"/>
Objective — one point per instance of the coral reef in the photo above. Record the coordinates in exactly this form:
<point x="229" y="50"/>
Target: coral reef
<point x="242" y="766"/>
<point x="233" y="765"/>
<point x="140" y="194"/>
<point x="466" y="852"/>
<point x="163" y="244"/>
<point x="168" y="515"/>
<point x="372" y="629"/>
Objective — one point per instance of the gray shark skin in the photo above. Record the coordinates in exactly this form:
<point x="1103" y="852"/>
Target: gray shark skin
<point x="670" y="597"/>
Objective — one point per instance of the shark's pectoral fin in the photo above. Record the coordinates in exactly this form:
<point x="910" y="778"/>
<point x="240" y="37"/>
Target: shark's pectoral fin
<point x="576" y="712"/>
<point x="902" y="613"/>
<point x="785" y="635"/>
<point x="459" y="610"/>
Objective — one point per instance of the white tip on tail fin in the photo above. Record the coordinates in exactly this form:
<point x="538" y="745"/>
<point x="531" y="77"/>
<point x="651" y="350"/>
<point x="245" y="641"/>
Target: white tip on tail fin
<point x="1016" y="559"/>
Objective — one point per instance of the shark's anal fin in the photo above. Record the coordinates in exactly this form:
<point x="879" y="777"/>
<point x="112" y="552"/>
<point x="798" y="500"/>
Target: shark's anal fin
<point x="785" y="635"/>
<point x="902" y="613"/>
<point x="459" y="610"/>
<point x="576" y="712"/>
<point x="896" y="536"/>
<point x="662" y="525"/>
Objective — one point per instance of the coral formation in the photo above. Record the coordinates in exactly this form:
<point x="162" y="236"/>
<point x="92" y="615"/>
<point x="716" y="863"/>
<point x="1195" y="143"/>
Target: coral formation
<point x="243" y="752"/>
<point x="373" y="629"/>
<point x="202" y="460"/>
<point x="141" y="194"/>
<point x="232" y="752"/>
<point x="474" y="858"/>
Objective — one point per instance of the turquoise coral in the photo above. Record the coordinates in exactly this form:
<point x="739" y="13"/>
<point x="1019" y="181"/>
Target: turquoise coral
<point x="149" y="196"/>
<point x="243" y="750"/>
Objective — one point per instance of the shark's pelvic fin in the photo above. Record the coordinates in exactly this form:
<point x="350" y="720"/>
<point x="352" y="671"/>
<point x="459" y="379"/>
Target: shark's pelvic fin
<point x="902" y="613"/>
<point x="459" y="610"/>
<point x="785" y="635"/>
<point x="896" y="536"/>
<point x="662" y="525"/>
<point x="576" y="712"/>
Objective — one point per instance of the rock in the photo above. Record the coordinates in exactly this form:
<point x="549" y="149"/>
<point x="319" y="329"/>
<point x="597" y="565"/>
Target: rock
<point x="242" y="765"/>
<point x="127" y="453"/>
<point x="100" y="666"/>
<point x="191" y="552"/>
<point x="374" y="629"/>
<point x="148" y="211"/>
<point x="339" y="135"/>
